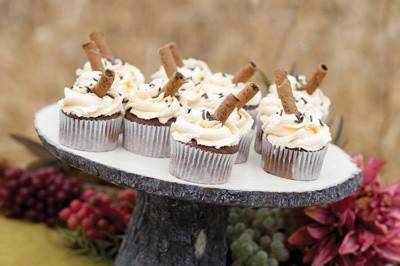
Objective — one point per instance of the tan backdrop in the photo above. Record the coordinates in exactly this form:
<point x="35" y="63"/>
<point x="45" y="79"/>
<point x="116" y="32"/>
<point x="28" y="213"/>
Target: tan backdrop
<point x="40" y="47"/>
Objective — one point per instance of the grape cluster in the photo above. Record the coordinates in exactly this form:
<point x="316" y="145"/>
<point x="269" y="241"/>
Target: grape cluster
<point x="257" y="236"/>
<point x="97" y="215"/>
<point x="38" y="195"/>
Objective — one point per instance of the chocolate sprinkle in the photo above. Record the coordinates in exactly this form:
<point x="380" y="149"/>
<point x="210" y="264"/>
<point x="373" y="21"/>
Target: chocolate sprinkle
<point x="110" y="95"/>
<point x="311" y="118"/>
<point x="204" y="95"/>
<point x="124" y="100"/>
<point x="304" y="100"/>
<point x="300" y="118"/>
<point x="320" y="122"/>
<point x="151" y="85"/>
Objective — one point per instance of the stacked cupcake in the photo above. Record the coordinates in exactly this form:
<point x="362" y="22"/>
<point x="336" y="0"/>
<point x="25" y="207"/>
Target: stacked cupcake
<point x="201" y="120"/>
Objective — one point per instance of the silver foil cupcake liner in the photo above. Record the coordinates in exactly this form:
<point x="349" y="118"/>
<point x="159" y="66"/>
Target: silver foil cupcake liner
<point x="292" y="163"/>
<point x="146" y="140"/>
<point x="258" y="137"/>
<point x="253" y="113"/>
<point x="200" y="166"/>
<point x="244" y="147"/>
<point x="97" y="135"/>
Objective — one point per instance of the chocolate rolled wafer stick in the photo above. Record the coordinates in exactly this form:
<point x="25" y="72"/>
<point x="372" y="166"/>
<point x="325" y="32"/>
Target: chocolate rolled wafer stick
<point x="286" y="95"/>
<point x="226" y="108"/>
<point x="104" y="84"/>
<point x="167" y="60"/>
<point x="316" y="79"/>
<point x="176" y="54"/>
<point x="246" y="94"/>
<point x="245" y="73"/>
<point x="93" y="55"/>
<point x="100" y="40"/>
<point x="173" y="84"/>
<point x="280" y="75"/>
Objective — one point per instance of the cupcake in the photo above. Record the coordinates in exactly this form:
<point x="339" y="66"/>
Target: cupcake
<point x="150" y="111"/>
<point x="193" y="70"/>
<point x="294" y="144"/>
<point x="243" y="121"/>
<point x="204" y="146"/>
<point x="91" y="113"/>
<point x="222" y="83"/>
<point x="306" y="101"/>
<point x="128" y="76"/>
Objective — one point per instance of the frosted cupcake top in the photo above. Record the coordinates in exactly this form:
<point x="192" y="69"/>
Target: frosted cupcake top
<point x="194" y="70"/>
<point x="197" y="125"/>
<point x="317" y="102"/>
<point x="222" y="83"/>
<point x="128" y="76"/>
<point x="148" y="102"/>
<point x="305" y="131"/>
<point x="80" y="101"/>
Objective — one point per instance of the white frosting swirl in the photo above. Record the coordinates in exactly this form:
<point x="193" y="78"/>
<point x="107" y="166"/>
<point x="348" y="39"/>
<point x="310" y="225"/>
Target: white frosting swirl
<point x="222" y="83"/>
<point x="80" y="101"/>
<point x="242" y="120"/>
<point x="193" y="69"/>
<point x="127" y="75"/>
<point x="285" y="130"/>
<point x="195" y="126"/>
<point x="148" y="102"/>
<point x="317" y="102"/>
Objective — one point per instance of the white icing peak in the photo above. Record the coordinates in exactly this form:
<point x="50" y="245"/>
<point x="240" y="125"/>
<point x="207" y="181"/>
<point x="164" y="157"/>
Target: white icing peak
<point x="80" y="101"/>
<point x="127" y="75"/>
<point x="317" y="102"/>
<point x="288" y="131"/>
<point x="148" y="102"/>
<point x="193" y="69"/>
<point x="222" y="83"/>
<point x="195" y="125"/>
<point x="242" y="120"/>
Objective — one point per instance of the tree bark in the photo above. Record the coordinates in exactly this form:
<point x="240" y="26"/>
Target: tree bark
<point x="167" y="231"/>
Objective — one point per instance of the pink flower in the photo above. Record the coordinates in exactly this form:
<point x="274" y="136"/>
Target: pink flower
<point x="362" y="229"/>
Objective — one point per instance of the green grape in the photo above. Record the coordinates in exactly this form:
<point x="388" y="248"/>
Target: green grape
<point x="246" y="237"/>
<point x="243" y="250"/>
<point x="258" y="223"/>
<point x="272" y="262"/>
<point x="234" y="217"/>
<point x="278" y="236"/>
<point x="231" y="232"/>
<point x="257" y="259"/>
<point x="262" y="213"/>
<point x="239" y="228"/>
<point x="265" y="242"/>
<point x="279" y="251"/>
<point x="269" y="224"/>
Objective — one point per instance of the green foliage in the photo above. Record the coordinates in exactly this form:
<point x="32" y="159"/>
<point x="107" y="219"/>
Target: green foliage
<point x="257" y="237"/>
<point x="98" y="249"/>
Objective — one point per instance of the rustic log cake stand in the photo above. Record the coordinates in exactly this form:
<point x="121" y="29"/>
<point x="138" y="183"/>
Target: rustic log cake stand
<point x="181" y="223"/>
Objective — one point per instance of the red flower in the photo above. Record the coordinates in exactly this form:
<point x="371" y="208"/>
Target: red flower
<point x="362" y="229"/>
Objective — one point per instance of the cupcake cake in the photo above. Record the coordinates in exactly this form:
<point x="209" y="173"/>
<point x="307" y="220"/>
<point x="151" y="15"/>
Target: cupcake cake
<point x="204" y="146"/>
<point x="307" y="100"/>
<point x="91" y="112"/>
<point x="294" y="143"/>
<point x="128" y="76"/>
<point x="150" y="111"/>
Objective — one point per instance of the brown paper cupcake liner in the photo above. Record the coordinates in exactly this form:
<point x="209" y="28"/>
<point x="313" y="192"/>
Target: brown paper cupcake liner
<point x="292" y="163"/>
<point x="146" y="140"/>
<point x="244" y="147"/>
<point x="96" y="135"/>
<point x="199" y="166"/>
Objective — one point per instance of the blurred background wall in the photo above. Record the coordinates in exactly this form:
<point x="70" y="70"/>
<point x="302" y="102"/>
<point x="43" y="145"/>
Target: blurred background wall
<point x="40" y="48"/>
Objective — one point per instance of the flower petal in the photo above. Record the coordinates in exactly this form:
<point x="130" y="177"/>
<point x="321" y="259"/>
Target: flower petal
<point x="320" y="214"/>
<point x="318" y="232"/>
<point x="389" y="252"/>
<point x="349" y="244"/>
<point x="301" y="238"/>
<point x="326" y="252"/>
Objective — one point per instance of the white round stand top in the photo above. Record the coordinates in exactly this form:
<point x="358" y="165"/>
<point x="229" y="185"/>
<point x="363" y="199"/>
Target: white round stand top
<point x="248" y="185"/>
